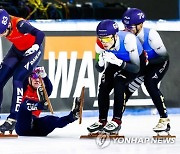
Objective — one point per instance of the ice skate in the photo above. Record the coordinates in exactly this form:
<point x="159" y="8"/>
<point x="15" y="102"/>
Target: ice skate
<point x="81" y="104"/>
<point x="107" y="130"/>
<point x="112" y="128"/>
<point x="9" y="125"/>
<point x="162" y="128"/>
<point x="41" y="94"/>
<point x="97" y="127"/>
<point x="76" y="108"/>
<point x="94" y="130"/>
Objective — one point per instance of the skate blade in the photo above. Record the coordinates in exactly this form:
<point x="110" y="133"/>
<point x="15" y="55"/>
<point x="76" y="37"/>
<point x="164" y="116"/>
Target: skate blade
<point x="81" y="104"/>
<point x="8" y="135"/>
<point x="163" y="135"/>
<point x="100" y="135"/>
<point x="90" y="135"/>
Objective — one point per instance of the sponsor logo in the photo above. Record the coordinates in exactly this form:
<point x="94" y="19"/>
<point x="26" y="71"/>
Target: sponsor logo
<point x="33" y="60"/>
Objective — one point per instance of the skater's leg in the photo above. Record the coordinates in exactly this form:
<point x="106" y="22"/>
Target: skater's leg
<point x="19" y="76"/>
<point x="151" y="80"/>
<point x="45" y="125"/>
<point x="6" y="71"/>
<point x="24" y="121"/>
<point x="121" y="80"/>
<point x="103" y="100"/>
<point x="133" y="86"/>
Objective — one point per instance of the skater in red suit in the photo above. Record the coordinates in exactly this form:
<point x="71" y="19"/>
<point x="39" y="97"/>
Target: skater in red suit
<point x="28" y="121"/>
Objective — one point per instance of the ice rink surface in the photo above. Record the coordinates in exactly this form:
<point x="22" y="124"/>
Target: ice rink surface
<point x="67" y="140"/>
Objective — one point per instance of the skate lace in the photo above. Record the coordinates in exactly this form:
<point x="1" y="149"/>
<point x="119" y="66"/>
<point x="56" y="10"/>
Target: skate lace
<point x="111" y="125"/>
<point x="96" y="124"/>
<point x="162" y="123"/>
<point x="159" y="125"/>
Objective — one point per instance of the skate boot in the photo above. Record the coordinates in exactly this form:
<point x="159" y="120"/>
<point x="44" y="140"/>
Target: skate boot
<point x="40" y="94"/>
<point x="97" y="127"/>
<point x="43" y="104"/>
<point x="9" y="125"/>
<point x="76" y="108"/>
<point x="112" y="127"/>
<point x="162" y="126"/>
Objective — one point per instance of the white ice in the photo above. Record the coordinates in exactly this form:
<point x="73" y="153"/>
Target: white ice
<point x="67" y="140"/>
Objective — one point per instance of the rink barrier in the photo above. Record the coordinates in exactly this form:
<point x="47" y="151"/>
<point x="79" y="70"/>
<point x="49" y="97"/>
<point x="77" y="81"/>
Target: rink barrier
<point x="90" y="25"/>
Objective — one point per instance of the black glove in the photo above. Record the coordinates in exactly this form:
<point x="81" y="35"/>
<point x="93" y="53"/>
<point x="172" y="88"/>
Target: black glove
<point x="42" y="105"/>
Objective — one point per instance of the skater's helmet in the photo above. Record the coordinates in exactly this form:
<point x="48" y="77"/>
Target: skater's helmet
<point x="107" y="27"/>
<point x="34" y="75"/>
<point x="4" y="20"/>
<point x="133" y="16"/>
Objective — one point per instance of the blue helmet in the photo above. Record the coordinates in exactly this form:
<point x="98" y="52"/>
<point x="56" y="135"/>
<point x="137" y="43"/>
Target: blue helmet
<point x="133" y="16"/>
<point x="4" y="20"/>
<point x="107" y="27"/>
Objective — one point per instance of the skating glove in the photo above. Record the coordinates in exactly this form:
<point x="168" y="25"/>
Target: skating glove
<point x="111" y="58"/>
<point x="41" y="71"/>
<point x="31" y="50"/>
<point x="101" y="61"/>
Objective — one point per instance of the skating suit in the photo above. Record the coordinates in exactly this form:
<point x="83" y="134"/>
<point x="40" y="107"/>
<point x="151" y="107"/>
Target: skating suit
<point x="16" y="63"/>
<point x="30" y="124"/>
<point x="155" y="70"/>
<point x="129" y="49"/>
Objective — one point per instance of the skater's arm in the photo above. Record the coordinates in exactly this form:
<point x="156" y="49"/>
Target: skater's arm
<point x="157" y="44"/>
<point x="25" y="27"/>
<point x="100" y="63"/>
<point x="131" y="46"/>
<point x="48" y="85"/>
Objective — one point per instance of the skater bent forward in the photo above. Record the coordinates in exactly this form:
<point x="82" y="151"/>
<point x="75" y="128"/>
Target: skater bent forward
<point x="23" y="56"/>
<point x="124" y="54"/>
<point x="158" y="63"/>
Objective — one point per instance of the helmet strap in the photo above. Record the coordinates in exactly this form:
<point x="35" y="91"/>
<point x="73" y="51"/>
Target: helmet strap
<point x="9" y="29"/>
<point x="30" y="81"/>
<point x="137" y="31"/>
<point x="114" y="42"/>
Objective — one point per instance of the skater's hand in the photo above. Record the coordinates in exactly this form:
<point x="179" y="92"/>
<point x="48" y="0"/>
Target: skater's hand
<point x="41" y="71"/>
<point x="111" y="58"/>
<point x="101" y="61"/>
<point x="31" y="50"/>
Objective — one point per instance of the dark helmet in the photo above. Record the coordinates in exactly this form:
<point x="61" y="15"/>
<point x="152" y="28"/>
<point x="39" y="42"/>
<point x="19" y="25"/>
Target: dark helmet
<point x="4" y="20"/>
<point x="107" y="27"/>
<point x="133" y="16"/>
